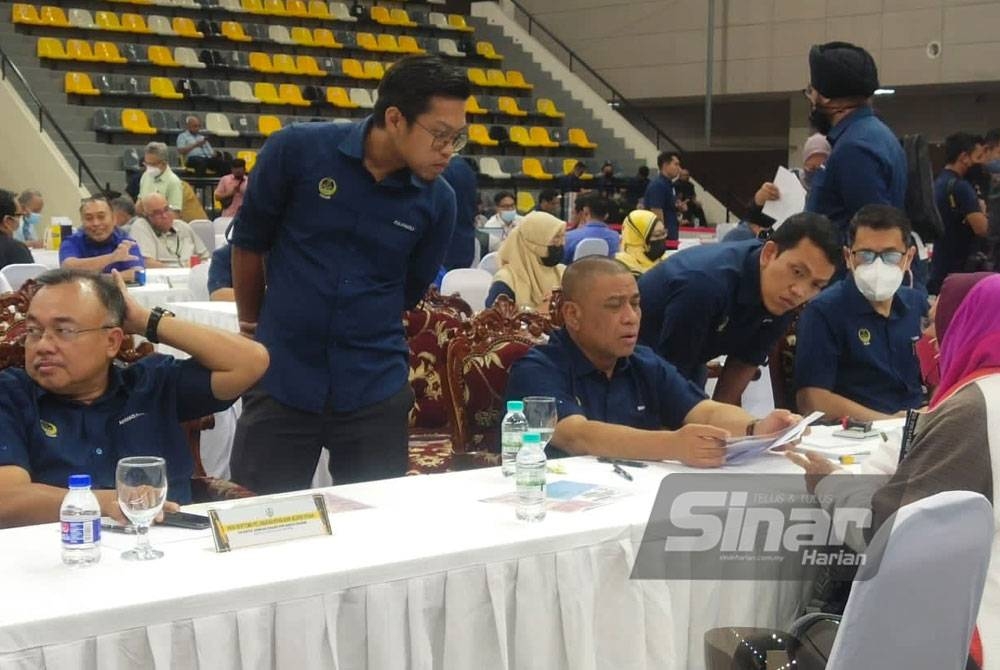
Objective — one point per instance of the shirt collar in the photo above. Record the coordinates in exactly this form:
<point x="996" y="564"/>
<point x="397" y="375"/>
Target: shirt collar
<point x="115" y="239"/>
<point x="115" y="384"/>
<point x="749" y="289"/>
<point x="601" y="224"/>
<point x="354" y="146"/>
<point x="839" y="129"/>
<point x="579" y="363"/>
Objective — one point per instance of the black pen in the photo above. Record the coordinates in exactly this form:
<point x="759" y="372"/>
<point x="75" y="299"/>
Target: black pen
<point x="622" y="461"/>
<point x="621" y="471"/>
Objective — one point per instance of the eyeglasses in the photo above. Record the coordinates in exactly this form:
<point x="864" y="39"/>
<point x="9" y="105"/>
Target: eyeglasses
<point x="867" y="256"/>
<point x="160" y="212"/>
<point x="34" y="334"/>
<point x="441" y="139"/>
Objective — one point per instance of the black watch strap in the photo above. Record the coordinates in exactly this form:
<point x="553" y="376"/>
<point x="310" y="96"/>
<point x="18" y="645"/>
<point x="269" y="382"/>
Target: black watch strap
<point x="153" y="323"/>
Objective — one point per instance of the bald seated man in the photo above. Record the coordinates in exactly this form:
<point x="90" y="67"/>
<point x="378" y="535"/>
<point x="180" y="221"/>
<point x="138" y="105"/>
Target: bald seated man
<point x="619" y="399"/>
<point x="165" y="241"/>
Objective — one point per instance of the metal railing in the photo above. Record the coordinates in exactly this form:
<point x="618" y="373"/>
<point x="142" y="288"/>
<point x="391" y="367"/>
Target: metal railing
<point x="8" y="66"/>
<point x="615" y="99"/>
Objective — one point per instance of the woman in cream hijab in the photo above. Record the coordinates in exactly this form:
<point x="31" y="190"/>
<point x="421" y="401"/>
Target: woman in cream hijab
<point x="530" y="262"/>
<point x="644" y="241"/>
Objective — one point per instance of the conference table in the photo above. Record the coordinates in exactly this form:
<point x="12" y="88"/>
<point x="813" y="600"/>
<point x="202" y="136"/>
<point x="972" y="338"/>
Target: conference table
<point x="419" y="572"/>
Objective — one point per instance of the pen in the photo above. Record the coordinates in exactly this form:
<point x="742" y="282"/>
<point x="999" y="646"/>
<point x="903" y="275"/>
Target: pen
<point x="622" y="461"/>
<point x="621" y="471"/>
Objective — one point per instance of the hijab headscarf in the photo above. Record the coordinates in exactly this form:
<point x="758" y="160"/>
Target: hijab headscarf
<point x="521" y="260"/>
<point x="971" y="341"/>
<point x="636" y="229"/>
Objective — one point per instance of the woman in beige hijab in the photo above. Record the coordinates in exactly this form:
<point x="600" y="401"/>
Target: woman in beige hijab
<point x="530" y="262"/>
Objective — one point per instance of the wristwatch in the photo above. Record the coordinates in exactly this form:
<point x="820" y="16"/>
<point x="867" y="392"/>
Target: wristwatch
<point x="153" y="323"/>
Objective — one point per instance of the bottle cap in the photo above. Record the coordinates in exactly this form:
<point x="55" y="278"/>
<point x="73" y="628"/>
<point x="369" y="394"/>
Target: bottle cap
<point x="531" y="438"/>
<point x="79" y="481"/>
<point x="515" y="406"/>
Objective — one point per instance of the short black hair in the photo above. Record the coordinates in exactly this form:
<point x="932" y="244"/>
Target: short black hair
<point x="500" y="195"/>
<point x="880" y="217"/>
<point x="811" y="226"/>
<point x="643" y="171"/>
<point x="411" y="82"/>
<point x="959" y="143"/>
<point x="666" y="157"/>
<point x="105" y="288"/>
<point x="123" y="203"/>
<point x="94" y="198"/>
<point x="239" y="163"/>
<point x="599" y="206"/>
<point x="574" y="280"/>
<point x="547" y="194"/>
<point x="8" y="203"/>
<point x="582" y="200"/>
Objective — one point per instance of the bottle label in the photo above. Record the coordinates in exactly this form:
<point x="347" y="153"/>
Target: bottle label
<point x="511" y="442"/>
<point x="81" y="532"/>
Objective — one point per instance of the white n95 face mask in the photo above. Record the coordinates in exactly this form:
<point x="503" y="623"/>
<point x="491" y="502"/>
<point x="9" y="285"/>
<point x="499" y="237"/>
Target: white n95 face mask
<point x="154" y="172"/>
<point x="878" y="281"/>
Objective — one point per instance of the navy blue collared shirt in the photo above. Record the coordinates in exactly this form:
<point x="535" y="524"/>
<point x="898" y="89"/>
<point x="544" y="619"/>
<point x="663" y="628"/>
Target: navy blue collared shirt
<point x="955" y="199"/>
<point x="644" y="390"/>
<point x="220" y="272"/>
<point x="346" y="256"/>
<point x="867" y="166"/>
<point x="843" y="345"/>
<point x="462" y="180"/>
<point x="705" y="302"/>
<point x="139" y="415"/>
<point x="660" y="195"/>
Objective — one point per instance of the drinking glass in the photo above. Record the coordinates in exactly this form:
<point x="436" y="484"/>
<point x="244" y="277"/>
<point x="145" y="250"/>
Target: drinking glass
<point x="541" y="414"/>
<point x="142" y="488"/>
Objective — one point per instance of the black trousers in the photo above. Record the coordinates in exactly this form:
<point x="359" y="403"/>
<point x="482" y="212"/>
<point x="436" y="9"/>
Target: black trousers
<point x="276" y="447"/>
<point x="217" y="164"/>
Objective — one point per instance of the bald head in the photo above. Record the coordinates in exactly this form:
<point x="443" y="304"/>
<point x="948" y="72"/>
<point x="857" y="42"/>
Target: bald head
<point x="580" y="274"/>
<point x="157" y="212"/>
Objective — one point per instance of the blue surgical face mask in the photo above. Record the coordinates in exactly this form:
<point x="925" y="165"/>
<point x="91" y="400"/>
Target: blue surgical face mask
<point x="32" y="218"/>
<point x="508" y="216"/>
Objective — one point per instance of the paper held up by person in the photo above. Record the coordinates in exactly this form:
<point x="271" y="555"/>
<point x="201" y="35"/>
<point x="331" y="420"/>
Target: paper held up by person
<point x="792" y="200"/>
<point x="738" y="448"/>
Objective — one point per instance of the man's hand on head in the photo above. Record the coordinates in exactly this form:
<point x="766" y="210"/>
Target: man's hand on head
<point x="136" y="316"/>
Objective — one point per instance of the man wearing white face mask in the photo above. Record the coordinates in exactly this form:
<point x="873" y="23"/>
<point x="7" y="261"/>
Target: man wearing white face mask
<point x="159" y="178"/>
<point x="855" y="342"/>
<point x="505" y="220"/>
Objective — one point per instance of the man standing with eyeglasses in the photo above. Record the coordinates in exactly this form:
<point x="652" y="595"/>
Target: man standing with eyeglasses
<point x="855" y="343"/>
<point x="354" y="220"/>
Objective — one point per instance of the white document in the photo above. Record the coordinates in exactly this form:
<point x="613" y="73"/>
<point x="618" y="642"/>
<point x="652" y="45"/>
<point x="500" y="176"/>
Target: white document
<point x="738" y="448"/>
<point x="792" y="200"/>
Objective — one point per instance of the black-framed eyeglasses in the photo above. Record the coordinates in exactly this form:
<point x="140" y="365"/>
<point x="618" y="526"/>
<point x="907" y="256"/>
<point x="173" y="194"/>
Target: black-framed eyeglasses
<point x="867" y="256"/>
<point x="441" y="139"/>
<point x="34" y="334"/>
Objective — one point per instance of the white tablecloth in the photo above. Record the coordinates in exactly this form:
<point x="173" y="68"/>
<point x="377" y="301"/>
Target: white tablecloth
<point x="428" y="578"/>
<point x="47" y="257"/>
<point x="160" y="294"/>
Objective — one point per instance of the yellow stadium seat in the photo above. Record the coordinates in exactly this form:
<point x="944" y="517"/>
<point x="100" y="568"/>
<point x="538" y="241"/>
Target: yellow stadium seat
<point x="107" y="52"/>
<point x="51" y="48"/>
<point x="323" y="37"/>
<point x="296" y="8"/>
<point x="249" y="156"/>
<point x="408" y="44"/>
<point x="275" y="8"/>
<point x="25" y="14"/>
<point x="381" y="15"/>
<point x="268" y="125"/>
<point x="516" y="80"/>
<point x="319" y="10"/>
<point x="388" y="44"/>
<point x="532" y="167"/>
<point x="302" y="36"/>
<point x="495" y="78"/>
<point x="567" y="167"/>
<point x="578" y="138"/>
<point x="234" y="31"/>
<point x="478" y="134"/>
<point x="80" y="50"/>
<point x="135" y="121"/>
<point x="162" y="56"/>
<point x="291" y="94"/>
<point x="107" y="21"/>
<point x="367" y="42"/>
<point x="373" y="69"/>
<point x="134" y="23"/>
<point x="472" y="106"/>
<point x="540" y="136"/>
<point x="79" y="83"/>
<point x="267" y="93"/>
<point x="252" y="6"/>
<point x="547" y="108"/>
<point x="477" y="76"/>
<point x="485" y="49"/>
<point x="519" y="135"/>
<point x="161" y="87"/>
<point x="284" y="64"/>
<point x="353" y="68"/>
<point x="401" y="18"/>
<point x="308" y="65"/>
<point x="508" y="106"/>
<point x="525" y="202"/>
<point x="337" y="96"/>
<point x="185" y="27"/>
<point x="457" y="21"/>
<point x="53" y="16"/>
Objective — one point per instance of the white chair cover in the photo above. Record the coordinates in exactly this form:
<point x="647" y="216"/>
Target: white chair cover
<point x="490" y="262"/>
<point x="18" y="273"/>
<point x="205" y="229"/>
<point x="472" y="284"/>
<point x="198" y="282"/>
<point x="591" y="246"/>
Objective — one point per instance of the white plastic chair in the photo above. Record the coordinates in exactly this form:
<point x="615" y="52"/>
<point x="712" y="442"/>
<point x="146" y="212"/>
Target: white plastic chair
<point x="81" y="18"/>
<point x="221" y="224"/>
<point x="198" y="282"/>
<point x="204" y="229"/>
<point x="188" y="58"/>
<point x="18" y="273"/>
<point x="4" y="285"/>
<point x="490" y="167"/>
<point x="472" y="284"/>
<point x="231" y="6"/>
<point x="218" y="124"/>
<point x="438" y="20"/>
<point x="340" y="12"/>
<point x="448" y="47"/>
<point x="280" y="35"/>
<point x="361" y="97"/>
<point x="591" y="246"/>
<point x="242" y="92"/>
<point x="490" y="262"/>
<point x="160" y="25"/>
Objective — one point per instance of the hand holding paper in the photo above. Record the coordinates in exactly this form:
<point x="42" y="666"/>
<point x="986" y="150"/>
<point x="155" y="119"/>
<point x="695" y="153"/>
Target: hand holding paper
<point x="745" y="447"/>
<point x="792" y="199"/>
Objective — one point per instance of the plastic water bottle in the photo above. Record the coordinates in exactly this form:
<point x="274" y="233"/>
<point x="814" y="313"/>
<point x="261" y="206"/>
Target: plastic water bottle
<point x="531" y="479"/>
<point x="80" y="518"/>
<point x="512" y="429"/>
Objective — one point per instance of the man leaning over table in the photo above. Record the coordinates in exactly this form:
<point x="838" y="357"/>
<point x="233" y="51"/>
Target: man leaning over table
<point x="98" y="245"/>
<point x="619" y="399"/>
<point x="166" y="242"/>
<point x="71" y="410"/>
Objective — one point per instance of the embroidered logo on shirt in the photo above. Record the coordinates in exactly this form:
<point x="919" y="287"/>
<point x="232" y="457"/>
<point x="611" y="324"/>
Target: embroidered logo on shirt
<point x="130" y="417"/>
<point x="49" y="429"/>
<point x="327" y="187"/>
<point x="865" y="336"/>
<point x="722" y="326"/>
<point x="405" y="226"/>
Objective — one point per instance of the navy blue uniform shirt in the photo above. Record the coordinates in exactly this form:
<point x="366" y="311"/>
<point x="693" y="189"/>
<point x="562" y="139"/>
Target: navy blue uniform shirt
<point x="220" y="272"/>
<point x="954" y="204"/>
<point x="346" y="256"/>
<point x="462" y="249"/>
<point x="843" y="345"/>
<point x="867" y="166"/>
<point x="644" y="390"/>
<point x="139" y="415"/>
<point x="705" y="302"/>
<point x="660" y="195"/>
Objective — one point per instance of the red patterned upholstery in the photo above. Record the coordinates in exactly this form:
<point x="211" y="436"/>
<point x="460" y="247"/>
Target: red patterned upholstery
<point x="428" y="351"/>
<point x="782" y="367"/>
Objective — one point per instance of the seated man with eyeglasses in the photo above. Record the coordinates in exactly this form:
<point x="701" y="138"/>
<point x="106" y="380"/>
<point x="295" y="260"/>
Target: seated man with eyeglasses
<point x="71" y="410"/>
<point x="98" y="245"/>
<point x="166" y="242"/>
<point x="855" y="343"/>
